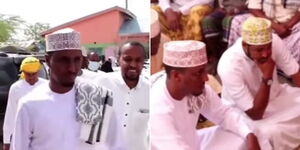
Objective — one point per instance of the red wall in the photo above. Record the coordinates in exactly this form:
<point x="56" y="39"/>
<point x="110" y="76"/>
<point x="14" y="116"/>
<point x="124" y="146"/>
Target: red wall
<point x="104" y="29"/>
<point x="100" y="29"/>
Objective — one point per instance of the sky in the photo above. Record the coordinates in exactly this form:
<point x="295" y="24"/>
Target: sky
<point x="57" y="12"/>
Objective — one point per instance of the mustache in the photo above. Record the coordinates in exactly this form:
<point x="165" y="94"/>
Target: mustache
<point x="263" y="60"/>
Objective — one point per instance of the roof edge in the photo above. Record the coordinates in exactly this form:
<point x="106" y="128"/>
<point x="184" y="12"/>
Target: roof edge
<point x="125" y="11"/>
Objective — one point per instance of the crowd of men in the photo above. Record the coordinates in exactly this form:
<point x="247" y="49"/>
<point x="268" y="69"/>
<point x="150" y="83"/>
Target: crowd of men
<point x="85" y="105"/>
<point x="79" y="107"/>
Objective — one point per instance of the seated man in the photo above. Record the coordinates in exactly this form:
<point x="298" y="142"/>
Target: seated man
<point x="181" y="19"/>
<point x="157" y="41"/>
<point x="284" y="16"/>
<point x="216" y="27"/>
<point x="248" y="73"/>
<point x="180" y="95"/>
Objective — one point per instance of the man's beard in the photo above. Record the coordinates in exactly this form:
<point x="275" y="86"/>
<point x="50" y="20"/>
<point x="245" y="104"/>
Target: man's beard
<point x="68" y="84"/>
<point x="132" y="78"/>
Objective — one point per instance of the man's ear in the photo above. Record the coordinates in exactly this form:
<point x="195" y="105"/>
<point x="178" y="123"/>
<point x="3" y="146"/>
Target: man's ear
<point x="176" y="75"/>
<point x="246" y="49"/>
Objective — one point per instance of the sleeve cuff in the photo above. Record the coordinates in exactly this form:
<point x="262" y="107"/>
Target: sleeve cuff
<point x="6" y="140"/>
<point x="164" y="6"/>
<point x="245" y="131"/>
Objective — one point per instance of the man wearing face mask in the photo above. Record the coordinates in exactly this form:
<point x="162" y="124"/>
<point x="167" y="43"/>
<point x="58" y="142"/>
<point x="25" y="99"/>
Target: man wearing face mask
<point x="94" y="61"/>
<point x="86" y="72"/>
<point x="249" y="77"/>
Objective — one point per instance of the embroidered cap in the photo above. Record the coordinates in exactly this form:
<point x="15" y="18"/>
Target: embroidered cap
<point x="184" y="54"/>
<point x="257" y="31"/>
<point x="155" y="28"/>
<point x="65" y="39"/>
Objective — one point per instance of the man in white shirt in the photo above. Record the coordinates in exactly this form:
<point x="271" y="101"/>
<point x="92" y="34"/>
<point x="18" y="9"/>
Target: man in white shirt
<point x="181" y="19"/>
<point x="51" y="117"/>
<point x="181" y="95"/>
<point x="29" y="80"/>
<point x="87" y="73"/>
<point x="248" y="71"/>
<point x="131" y="95"/>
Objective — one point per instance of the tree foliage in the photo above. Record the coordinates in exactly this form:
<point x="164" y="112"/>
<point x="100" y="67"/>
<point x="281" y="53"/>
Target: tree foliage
<point x="8" y="27"/>
<point x="33" y="31"/>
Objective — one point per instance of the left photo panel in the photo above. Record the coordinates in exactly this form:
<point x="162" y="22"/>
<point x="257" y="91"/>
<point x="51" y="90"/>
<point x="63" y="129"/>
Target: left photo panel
<point x="74" y="75"/>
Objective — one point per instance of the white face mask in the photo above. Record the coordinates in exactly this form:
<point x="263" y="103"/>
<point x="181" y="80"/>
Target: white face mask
<point x="94" y="65"/>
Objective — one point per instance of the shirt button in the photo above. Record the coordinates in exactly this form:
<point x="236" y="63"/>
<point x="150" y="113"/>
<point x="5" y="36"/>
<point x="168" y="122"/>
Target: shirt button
<point x="127" y="103"/>
<point x="124" y="125"/>
<point x="126" y="114"/>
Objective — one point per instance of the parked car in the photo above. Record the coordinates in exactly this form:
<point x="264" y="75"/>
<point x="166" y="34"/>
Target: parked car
<point x="9" y="73"/>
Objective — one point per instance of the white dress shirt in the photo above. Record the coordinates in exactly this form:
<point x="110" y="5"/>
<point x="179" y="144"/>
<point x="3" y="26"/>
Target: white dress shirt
<point x="17" y="90"/>
<point x="183" y="6"/>
<point x="173" y="126"/>
<point x="132" y="110"/>
<point x="91" y="75"/>
<point x="274" y="9"/>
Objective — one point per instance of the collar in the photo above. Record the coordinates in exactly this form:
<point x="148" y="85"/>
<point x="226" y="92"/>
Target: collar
<point x="122" y="82"/>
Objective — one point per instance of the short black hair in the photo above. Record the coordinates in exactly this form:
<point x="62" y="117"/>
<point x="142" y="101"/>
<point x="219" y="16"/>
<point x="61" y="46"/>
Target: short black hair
<point x="131" y="43"/>
<point x="168" y="69"/>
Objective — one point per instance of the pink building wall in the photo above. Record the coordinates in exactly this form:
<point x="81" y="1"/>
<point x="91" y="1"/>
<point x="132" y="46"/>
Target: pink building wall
<point x="104" y="28"/>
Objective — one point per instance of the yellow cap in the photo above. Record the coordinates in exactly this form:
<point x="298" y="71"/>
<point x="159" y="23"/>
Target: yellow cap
<point x="30" y="65"/>
<point x="257" y="31"/>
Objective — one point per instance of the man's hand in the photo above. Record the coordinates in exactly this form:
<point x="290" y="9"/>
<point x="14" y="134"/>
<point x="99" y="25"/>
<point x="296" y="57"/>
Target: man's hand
<point x="252" y="142"/>
<point x="281" y="29"/>
<point x="6" y="146"/>
<point x="267" y="68"/>
<point x="173" y="19"/>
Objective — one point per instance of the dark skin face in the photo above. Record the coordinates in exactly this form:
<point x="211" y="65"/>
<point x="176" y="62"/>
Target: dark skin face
<point x="187" y="81"/>
<point x="93" y="56"/>
<point x="131" y="62"/>
<point x="155" y="44"/>
<point x="258" y="53"/>
<point x="193" y="80"/>
<point x="64" y="67"/>
<point x="31" y="78"/>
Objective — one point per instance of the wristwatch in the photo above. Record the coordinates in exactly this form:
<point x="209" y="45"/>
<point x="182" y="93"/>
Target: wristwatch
<point x="268" y="82"/>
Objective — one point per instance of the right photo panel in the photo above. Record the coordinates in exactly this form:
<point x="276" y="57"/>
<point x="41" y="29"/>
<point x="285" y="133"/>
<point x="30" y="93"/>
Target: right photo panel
<point x="225" y="75"/>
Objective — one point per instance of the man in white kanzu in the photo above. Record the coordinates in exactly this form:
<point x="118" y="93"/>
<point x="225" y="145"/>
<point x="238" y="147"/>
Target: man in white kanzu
<point x="86" y="72"/>
<point x="131" y="96"/>
<point x="178" y="98"/>
<point x="248" y="71"/>
<point x="30" y="67"/>
<point x="52" y="117"/>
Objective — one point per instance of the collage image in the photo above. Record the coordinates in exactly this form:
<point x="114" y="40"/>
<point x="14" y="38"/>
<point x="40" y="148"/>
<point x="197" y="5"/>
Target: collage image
<point x="150" y="75"/>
